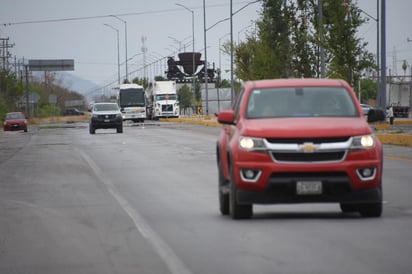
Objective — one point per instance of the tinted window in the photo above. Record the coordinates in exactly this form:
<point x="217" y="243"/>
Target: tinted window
<point x="102" y="107"/>
<point x="132" y="97"/>
<point x="298" y="102"/>
<point x="166" y="97"/>
<point x="11" y="116"/>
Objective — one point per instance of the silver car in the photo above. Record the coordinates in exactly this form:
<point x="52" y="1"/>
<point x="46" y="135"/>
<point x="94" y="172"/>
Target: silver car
<point x="366" y="108"/>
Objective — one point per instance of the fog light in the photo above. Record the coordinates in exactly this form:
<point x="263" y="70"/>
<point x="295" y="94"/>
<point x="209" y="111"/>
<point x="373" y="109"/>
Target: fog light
<point x="250" y="175"/>
<point x="366" y="173"/>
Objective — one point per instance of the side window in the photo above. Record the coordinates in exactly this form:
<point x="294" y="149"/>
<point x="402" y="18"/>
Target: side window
<point x="238" y="102"/>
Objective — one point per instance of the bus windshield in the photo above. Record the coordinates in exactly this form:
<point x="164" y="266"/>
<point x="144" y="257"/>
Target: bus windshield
<point x="133" y="97"/>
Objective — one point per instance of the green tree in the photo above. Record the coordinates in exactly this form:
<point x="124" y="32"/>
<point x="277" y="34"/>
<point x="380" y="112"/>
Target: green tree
<point x="47" y="110"/>
<point x="160" y="78"/>
<point x="368" y="90"/>
<point x="185" y="97"/>
<point x="347" y="54"/>
<point x="141" y="81"/>
<point x="288" y="42"/>
<point x="304" y="40"/>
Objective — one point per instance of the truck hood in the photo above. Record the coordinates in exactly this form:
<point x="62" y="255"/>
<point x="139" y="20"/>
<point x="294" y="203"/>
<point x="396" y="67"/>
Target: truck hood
<point x="309" y="127"/>
<point x="15" y="121"/>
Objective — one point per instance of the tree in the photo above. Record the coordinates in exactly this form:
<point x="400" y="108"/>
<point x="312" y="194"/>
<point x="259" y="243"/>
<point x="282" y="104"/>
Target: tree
<point x="160" y="78"/>
<point x="304" y="40"/>
<point x="289" y="38"/>
<point x="368" y="90"/>
<point x="185" y="97"/>
<point x="347" y="54"/>
<point x="141" y="81"/>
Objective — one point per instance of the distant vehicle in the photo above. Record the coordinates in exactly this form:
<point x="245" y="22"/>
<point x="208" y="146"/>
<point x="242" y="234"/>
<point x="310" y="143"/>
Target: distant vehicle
<point x="298" y="141"/>
<point x="161" y="97"/>
<point x="106" y="115"/>
<point x="365" y="108"/>
<point x="400" y="111"/>
<point x="15" y="121"/>
<point x="73" y="112"/>
<point x="132" y="103"/>
<point x="90" y="106"/>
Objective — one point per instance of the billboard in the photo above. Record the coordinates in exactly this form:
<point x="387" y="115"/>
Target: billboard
<point x="51" y="64"/>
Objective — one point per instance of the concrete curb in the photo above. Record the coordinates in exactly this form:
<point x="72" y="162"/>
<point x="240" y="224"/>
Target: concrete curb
<point x="395" y="139"/>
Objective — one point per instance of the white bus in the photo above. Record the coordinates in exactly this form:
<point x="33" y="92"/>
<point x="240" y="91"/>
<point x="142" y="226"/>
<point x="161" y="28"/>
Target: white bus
<point x="131" y="100"/>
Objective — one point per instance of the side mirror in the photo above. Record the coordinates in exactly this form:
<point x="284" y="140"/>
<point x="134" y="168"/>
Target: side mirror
<point x="375" y="115"/>
<point x="226" y="117"/>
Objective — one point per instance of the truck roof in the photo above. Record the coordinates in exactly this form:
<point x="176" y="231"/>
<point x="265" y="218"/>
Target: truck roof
<point x="126" y="86"/>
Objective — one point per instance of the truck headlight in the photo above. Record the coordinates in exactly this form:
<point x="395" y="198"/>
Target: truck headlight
<point x="363" y="142"/>
<point x="250" y="143"/>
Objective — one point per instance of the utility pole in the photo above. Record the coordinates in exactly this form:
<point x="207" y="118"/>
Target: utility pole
<point x="382" y="91"/>
<point x="26" y="68"/>
<point x="144" y="51"/>
<point x="5" y="46"/>
<point x="4" y="50"/>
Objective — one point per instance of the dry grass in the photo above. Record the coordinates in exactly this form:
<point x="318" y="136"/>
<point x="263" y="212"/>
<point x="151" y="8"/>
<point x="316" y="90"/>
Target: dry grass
<point x="59" y="119"/>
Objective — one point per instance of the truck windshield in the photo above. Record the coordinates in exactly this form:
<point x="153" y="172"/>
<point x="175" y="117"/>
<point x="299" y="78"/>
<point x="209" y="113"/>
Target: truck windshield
<point x="301" y="102"/>
<point x="165" y="97"/>
<point x="132" y="97"/>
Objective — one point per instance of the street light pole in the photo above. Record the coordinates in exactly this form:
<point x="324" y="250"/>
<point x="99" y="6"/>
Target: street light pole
<point x="118" y="52"/>
<point x="321" y="49"/>
<point x="125" y="42"/>
<point x="206" y="75"/>
<point x="382" y="90"/>
<point x="193" y="45"/>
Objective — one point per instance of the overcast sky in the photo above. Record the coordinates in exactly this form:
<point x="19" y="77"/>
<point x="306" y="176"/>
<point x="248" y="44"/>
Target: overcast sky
<point x="93" y="45"/>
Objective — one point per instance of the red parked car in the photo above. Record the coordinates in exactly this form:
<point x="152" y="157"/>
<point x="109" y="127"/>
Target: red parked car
<point x="15" y="121"/>
<point x="298" y="141"/>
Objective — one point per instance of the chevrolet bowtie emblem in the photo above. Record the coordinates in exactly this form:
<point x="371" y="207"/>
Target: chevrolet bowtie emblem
<point x="308" y="147"/>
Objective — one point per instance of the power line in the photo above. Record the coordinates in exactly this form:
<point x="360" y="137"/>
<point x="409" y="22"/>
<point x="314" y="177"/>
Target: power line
<point x="55" y="20"/>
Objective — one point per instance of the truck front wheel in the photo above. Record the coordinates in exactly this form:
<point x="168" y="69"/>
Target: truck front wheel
<point x="238" y="211"/>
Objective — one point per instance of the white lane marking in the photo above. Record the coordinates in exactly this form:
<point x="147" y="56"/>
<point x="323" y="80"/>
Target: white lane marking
<point x="175" y="265"/>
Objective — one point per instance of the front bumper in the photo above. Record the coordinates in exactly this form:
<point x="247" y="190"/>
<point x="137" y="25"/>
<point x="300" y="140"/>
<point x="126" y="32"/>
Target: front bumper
<point x="340" y="181"/>
<point x="106" y="123"/>
<point x="333" y="191"/>
<point x="15" y="127"/>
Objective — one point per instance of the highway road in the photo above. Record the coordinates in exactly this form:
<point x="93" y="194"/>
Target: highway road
<point x="145" y="201"/>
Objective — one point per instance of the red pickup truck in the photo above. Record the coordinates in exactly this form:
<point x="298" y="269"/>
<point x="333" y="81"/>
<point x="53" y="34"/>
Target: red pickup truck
<point x="298" y="141"/>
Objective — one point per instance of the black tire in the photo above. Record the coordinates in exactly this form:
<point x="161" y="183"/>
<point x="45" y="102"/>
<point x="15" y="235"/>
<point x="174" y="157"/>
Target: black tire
<point x="370" y="210"/>
<point x="119" y="130"/>
<point x="348" y="208"/>
<point x="238" y="211"/>
<point x="92" y="130"/>
<point x="223" y="189"/>
<point x="25" y="130"/>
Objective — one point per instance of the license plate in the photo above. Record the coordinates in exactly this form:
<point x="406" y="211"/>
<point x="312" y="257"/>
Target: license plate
<point x="309" y="187"/>
<point x="107" y="121"/>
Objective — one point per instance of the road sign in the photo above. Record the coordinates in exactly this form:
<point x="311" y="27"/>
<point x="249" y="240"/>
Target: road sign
<point x="51" y="64"/>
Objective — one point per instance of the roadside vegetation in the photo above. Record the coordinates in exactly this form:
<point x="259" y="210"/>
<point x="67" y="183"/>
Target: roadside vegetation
<point x="13" y="93"/>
